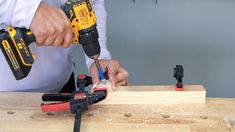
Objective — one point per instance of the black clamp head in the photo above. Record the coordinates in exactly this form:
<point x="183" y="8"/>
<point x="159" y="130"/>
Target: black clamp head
<point x="178" y="75"/>
<point x="79" y="100"/>
<point x="98" y="95"/>
<point x="83" y="81"/>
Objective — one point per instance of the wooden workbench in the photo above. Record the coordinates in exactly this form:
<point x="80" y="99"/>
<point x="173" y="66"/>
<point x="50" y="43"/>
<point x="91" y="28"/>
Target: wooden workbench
<point x="20" y="112"/>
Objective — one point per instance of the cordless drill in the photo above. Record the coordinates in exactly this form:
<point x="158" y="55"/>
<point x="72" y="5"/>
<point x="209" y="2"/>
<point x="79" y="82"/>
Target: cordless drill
<point x="15" y="41"/>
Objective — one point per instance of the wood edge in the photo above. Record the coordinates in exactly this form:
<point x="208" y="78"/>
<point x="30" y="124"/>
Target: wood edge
<point x="151" y="88"/>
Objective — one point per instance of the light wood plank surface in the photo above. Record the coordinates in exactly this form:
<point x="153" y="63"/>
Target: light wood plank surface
<point x="20" y="112"/>
<point x="156" y="95"/>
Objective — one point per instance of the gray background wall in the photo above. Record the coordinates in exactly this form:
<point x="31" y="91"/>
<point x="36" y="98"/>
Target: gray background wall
<point x="150" y="39"/>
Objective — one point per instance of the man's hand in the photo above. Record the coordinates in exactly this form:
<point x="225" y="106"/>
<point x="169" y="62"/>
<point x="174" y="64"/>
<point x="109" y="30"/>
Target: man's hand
<point x="113" y="70"/>
<point x="51" y="27"/>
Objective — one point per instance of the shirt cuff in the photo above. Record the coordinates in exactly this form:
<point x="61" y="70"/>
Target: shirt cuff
<point x="23" y="13"/>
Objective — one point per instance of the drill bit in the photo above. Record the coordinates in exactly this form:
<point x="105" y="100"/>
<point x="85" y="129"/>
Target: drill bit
<point x="101" y="74"/>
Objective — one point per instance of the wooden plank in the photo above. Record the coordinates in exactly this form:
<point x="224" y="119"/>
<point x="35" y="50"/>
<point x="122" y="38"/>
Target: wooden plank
<point x="156" y="95"/>
<point x="20" y="112"/>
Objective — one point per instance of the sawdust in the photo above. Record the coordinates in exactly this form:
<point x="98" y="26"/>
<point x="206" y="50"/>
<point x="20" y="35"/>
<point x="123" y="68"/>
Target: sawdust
<point x="89" y="114"/>
<point x="50" y="113"/>
<point x="147" y="120"/>
<point x="10" y="112"/>
<point x="128" y="115"/>
<point x="203" y="117"/>
<point x="165" y="116"/>
<point x="108" y="120"/>
<point x="230" y="121"/>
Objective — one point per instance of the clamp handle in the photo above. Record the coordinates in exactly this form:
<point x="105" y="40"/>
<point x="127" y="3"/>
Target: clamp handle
<point x="56" y="97"/>
<point x="55" y="107"/>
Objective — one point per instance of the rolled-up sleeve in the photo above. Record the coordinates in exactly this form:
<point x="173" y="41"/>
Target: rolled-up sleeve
<point x="98" y="6"/>
<point x="18" y="13"/>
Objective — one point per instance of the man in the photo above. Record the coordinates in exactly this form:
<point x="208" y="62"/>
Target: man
<point x="53" y="67"/>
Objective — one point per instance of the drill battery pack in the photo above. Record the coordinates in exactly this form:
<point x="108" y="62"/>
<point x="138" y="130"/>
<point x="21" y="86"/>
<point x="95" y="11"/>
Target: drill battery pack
<point x="14" y="44"/>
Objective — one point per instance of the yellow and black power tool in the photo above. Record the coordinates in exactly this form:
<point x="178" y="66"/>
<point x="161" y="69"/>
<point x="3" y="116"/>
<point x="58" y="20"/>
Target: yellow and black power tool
<point x="15" y="41"/>
<point x="14" y="45"/>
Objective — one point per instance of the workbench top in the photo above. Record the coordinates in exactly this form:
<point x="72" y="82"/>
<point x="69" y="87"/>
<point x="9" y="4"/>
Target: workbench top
<point x="20" y="112"/>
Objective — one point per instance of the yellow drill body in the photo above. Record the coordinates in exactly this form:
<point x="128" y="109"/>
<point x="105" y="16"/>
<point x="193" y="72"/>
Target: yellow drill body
<point x="15" y="41"/>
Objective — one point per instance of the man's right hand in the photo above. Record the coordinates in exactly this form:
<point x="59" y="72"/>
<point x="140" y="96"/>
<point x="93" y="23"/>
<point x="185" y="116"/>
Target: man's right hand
<point x="51" y="27"/>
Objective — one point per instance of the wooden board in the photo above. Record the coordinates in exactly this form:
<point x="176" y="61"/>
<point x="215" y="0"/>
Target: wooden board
<point x="156" y="95"/>
<point x="20" y="112"/>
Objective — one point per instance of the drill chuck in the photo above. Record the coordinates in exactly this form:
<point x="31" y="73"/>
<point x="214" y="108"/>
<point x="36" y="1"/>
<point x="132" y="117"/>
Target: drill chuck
<point x="89" y="41"/>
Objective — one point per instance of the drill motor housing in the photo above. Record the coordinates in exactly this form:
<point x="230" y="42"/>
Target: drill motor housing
<point x="83" y="23"/>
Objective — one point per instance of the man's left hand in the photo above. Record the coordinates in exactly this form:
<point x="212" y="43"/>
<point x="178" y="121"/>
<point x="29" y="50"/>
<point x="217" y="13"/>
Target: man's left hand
<point x="117" y="75"/>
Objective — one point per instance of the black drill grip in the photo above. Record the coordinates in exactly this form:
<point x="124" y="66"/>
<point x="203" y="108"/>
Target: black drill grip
<point x="28" y="36"/>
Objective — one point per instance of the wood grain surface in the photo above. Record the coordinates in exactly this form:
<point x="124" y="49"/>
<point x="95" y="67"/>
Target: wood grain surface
<point x="20" y="112"/>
